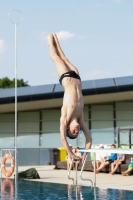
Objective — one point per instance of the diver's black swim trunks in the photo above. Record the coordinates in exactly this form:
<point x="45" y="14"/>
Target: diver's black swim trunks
<point x="69" y="74"/>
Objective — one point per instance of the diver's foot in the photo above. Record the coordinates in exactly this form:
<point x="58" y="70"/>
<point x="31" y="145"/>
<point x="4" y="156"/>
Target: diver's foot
<point x="50" y="39"/>
<point x="61" y="53"/>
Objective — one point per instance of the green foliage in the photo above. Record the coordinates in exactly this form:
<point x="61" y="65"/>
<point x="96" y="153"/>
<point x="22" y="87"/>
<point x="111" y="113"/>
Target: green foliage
<point x="7" y="83"/>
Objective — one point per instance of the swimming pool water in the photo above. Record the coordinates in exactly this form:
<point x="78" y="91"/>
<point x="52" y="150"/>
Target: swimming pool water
<point x="32" y="190"/>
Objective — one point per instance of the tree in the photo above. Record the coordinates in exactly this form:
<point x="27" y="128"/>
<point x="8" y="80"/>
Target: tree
<point x="7" y="83"/>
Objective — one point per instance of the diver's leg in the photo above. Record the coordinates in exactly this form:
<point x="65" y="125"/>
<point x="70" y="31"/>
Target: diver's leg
<point x="60" y="64"/>
<point x="62" y="55"/>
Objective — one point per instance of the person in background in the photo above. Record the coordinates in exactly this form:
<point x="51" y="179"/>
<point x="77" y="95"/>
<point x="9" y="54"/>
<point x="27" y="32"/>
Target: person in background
<point x="129" y="171"/>
<point x="77" y="153"/>
<point x="111" y="159"/>
<point x="120" y="160"/>
<point x="100" y="157"/>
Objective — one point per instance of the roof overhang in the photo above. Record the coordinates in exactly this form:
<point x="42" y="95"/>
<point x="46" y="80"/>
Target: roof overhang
<point x="49" y="96"/>
<point x="54" y="103"/>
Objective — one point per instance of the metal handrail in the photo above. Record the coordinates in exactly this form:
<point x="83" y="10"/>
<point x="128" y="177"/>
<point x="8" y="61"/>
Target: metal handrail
<point x="84" y="179"/>
<point x="70" y="170"/>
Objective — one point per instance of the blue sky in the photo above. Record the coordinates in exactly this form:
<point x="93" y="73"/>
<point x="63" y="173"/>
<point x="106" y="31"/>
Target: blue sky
<point x="95" y="35"/>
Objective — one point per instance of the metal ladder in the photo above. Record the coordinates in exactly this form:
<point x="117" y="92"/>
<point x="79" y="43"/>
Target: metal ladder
<point x="76" y="182"/>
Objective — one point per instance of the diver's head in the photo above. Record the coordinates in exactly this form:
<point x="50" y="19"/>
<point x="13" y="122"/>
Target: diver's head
<point x="70" y="135"/>
<point x="73" y="130"/>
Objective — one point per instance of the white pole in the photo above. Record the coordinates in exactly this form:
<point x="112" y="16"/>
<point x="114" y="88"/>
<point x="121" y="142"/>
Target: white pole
<point x="94" y="169"/>
<point x="16" y="21"/>
<point x="16" y="160"/>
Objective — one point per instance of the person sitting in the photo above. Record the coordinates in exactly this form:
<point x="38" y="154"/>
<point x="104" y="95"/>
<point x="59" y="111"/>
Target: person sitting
<point x="111" y="159"/>
<point x="120" y="160"/>
<point x="77" y="153"/>
<point x="129" y="171"/>
<point x="100" y="157"/>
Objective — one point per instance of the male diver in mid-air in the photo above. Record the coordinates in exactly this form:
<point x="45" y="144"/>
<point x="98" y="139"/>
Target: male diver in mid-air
<point x="71" y="120"/>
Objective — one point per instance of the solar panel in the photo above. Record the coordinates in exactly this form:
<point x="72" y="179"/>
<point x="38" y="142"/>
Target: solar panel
<point x="88" y="85"/>
<point x="104" y="83"/>
<point x="9" y="92"/>
<point x="27" y="90"/>
<point x="124" y="80"/>
<point x="58" y="88"/>
<point x="41" y="89"/>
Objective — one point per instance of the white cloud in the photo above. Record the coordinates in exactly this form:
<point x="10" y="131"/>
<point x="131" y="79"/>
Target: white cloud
<point x="97" y="74"/>
<point x="3" y="46"/>
<point x="64" y="35"/>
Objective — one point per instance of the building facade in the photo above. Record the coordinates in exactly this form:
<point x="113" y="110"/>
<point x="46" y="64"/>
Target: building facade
<point x="108" y="106"/>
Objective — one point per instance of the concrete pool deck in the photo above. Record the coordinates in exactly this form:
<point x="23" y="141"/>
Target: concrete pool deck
<point x="103" y="180"/>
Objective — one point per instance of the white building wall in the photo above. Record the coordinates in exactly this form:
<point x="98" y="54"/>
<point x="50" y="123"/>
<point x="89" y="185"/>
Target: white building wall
<point x="103" y="120"/>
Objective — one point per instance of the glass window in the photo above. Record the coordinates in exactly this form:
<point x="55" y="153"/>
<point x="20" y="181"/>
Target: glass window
<point x="85" y="112"/>
<point x="102" y="115"/>
<point x="102" y="137"/>
<point x="7" y="140"/>
<point x="51" y="114"/>
<point x="124" y="114"/>
<point x="7" y="130"/>
<point x="86" y="115"/>
<point x="7" y="117"/>
<point x="102" y="112"/>
<point x="124" y="105"/>
<point x="28" y="139"/>
<point x="28" y="129"/>
<point x="102" y="107"/>
<point x="124" y="137"/>
<point x="28" y="116"/>
<point x="124" y="120"/>
<point x="6" y="126"/>
<point x="124" y="124"/>
<point x="51" y="126"/>
<point x="102" y="125"/>
<point x="51" y="140"/>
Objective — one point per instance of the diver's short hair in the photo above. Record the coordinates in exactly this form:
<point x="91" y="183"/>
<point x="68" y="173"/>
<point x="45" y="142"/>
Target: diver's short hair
<point x="68" y="134"/>
<point x="113" y="145"/>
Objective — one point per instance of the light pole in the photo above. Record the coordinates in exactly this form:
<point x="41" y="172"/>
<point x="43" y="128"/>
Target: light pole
<point x="15" y="17"/>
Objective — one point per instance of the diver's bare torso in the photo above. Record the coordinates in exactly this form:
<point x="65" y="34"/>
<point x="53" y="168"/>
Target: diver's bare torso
<point x="73" y="100"/>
